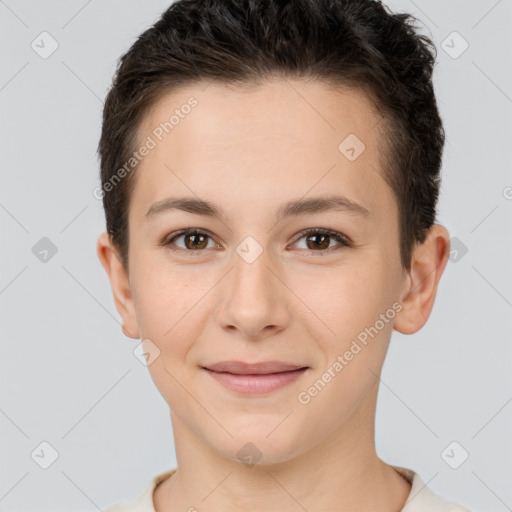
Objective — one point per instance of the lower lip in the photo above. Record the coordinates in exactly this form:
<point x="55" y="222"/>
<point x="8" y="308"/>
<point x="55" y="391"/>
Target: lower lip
<point x="256" y="384"/>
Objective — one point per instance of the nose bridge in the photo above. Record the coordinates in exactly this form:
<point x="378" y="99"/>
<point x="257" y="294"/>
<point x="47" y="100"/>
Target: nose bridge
<point x="253" y="297"/>
<point x="251" y="274"/>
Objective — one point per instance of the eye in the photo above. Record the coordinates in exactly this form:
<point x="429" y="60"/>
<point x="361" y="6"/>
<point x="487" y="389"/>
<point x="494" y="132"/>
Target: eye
<point x="319" y="239"/>
<point x="195" y="239"/>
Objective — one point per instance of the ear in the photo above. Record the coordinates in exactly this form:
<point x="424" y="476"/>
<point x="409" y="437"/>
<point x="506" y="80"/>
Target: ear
<point x="428" y="262"/>
<point x="120" y="284"/>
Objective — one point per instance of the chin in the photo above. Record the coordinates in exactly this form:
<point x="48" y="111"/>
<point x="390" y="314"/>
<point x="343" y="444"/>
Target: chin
<point x="256" y="447"/>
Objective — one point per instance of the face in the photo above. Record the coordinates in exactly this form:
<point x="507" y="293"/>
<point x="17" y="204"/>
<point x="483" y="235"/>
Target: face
<point x="291" y="255"/>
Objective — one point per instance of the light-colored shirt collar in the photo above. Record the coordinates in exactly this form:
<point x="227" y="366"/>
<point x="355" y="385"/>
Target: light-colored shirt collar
<point x="421" y="498"/>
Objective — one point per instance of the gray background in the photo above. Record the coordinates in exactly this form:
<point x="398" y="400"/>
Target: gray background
<point x="68" y="374"/>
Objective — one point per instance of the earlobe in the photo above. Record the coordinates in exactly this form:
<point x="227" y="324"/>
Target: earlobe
<point x="120" y="284"/>
<point x="428" y="262"/>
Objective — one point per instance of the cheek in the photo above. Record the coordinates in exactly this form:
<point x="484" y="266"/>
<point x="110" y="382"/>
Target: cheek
<point x="342" y="299"/>
<point x="167" y="316"/>
<point x="163" y="303"/>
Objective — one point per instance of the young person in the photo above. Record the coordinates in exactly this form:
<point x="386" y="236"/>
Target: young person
<point x="270" y="173"/>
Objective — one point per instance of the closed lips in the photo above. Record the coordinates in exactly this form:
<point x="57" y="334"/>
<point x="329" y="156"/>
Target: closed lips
<point x="242" y="368"/>
<point x="254" y="379"/>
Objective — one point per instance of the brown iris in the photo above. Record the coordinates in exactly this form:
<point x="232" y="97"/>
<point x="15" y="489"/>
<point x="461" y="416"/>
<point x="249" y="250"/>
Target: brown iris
<point x="199" y="240"/>
<point x="322" y="245"/>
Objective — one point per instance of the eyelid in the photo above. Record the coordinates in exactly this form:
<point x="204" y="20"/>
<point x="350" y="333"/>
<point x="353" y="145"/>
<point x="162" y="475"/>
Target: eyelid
<point x="335" y="234"/>
<point x="166" y="242"/>
<point x="343" y="240"/>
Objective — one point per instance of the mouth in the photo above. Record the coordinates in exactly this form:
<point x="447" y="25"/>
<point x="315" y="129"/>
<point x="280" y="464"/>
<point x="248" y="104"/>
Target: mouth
<point x="254" y="378"/>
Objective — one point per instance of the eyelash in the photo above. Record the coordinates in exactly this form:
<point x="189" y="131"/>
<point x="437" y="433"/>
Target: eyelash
<point x="340" y="238"/>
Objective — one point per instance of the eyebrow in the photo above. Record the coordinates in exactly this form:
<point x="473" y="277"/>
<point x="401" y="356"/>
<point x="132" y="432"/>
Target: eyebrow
<point x="292" y="208"/>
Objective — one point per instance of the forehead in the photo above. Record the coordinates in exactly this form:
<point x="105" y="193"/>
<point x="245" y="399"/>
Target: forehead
<point x="304" y="111"/>
<point x="282" y="133"/>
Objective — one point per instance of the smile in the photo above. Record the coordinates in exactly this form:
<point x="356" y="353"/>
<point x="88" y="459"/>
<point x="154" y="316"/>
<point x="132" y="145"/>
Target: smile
<point x="258" y="378"/>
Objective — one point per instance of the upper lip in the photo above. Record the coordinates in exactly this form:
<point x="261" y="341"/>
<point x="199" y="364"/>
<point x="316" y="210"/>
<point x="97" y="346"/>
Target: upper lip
<point x="242" y="368"/>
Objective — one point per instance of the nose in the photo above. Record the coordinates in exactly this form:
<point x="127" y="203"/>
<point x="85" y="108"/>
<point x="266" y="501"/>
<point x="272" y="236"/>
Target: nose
<point x="254" y="300"/>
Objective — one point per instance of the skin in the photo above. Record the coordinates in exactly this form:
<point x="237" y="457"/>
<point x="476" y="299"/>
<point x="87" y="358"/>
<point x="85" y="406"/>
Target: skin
<point x="250" y="151"/>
